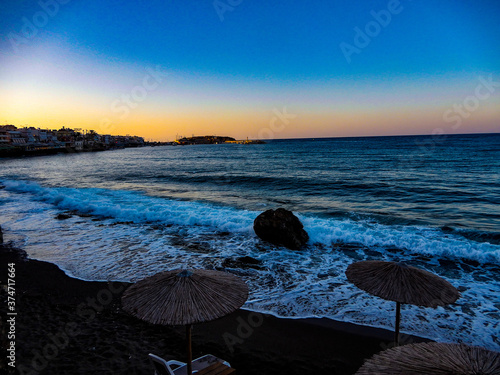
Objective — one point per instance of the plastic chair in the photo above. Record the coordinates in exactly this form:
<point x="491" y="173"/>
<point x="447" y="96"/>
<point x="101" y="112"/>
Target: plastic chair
<point x="173" y="367"/>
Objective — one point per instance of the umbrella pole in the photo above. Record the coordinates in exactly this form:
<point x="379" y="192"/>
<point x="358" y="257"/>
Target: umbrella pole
<point x="398" y="318"/>
<point x="189" y="352"/>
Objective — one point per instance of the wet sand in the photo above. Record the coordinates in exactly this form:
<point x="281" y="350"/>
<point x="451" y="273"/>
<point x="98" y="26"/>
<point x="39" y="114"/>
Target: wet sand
<point x="69" y="326"/>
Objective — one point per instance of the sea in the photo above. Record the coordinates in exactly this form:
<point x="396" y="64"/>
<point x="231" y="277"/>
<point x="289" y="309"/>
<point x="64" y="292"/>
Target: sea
<point x="429" y="201"/>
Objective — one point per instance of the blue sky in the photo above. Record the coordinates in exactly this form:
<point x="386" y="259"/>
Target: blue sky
<point x="277" y="47"/>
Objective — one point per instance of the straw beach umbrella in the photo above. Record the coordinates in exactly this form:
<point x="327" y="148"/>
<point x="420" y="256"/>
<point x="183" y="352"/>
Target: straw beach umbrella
<point x="403" y="284"/>
<point x="433" y="358"/>
<point x="185" y="298"/>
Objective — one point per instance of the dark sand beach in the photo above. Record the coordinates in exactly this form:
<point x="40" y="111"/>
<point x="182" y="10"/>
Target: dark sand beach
<point x="69" y="326"/>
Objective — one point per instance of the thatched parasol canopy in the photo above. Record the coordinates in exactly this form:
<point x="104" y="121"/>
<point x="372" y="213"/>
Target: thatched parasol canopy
<point x="401" y="283"/>
<point x="433" y="358"/>
<point x="185" y="297"/>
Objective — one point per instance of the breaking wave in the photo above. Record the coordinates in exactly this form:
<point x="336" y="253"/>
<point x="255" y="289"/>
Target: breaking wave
<point x="136" y="207"/>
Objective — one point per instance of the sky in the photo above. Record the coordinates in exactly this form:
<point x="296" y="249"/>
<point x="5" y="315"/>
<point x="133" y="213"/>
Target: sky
<point x="256" y="69"/>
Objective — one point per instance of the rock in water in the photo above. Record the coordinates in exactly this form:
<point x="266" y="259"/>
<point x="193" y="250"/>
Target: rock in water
<point x="281" y="227"/>
<point x="1" y="236"/>
<point x="63" y="217"/>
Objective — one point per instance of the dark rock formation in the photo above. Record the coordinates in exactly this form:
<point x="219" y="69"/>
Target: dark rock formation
<point x="281" y="227"/>
<point x="63" y="216"/>
<point x="7" y="251"/>
<point x="201" y="140"/>
<point x="1" y="236"/>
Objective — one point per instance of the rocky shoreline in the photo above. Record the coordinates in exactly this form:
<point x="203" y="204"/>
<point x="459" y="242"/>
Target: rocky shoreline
<point x="19" y="152"/>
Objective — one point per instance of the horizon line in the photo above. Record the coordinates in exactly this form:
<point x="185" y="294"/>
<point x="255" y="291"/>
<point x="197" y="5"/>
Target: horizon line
<point x="381" y="136"/>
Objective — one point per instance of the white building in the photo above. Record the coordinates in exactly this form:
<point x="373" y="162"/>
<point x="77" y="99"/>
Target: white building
<point x="16" y="138"/>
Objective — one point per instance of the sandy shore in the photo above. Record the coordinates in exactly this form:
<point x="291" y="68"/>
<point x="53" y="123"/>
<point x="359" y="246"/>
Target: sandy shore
<point x="69" y="326"/>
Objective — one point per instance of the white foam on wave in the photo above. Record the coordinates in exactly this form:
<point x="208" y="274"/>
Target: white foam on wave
<point x="130" y="206"/>
<point x="288" y="283"/>
<point x="136" y="207"/>
<point x="418" y="240"/>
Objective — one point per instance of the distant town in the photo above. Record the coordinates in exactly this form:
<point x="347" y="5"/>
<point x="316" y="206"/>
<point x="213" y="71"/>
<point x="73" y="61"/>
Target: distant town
<point x="35" y="141"/>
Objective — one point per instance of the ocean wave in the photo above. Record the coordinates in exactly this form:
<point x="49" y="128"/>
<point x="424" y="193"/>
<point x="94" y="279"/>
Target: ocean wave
<point x="136" y="207"/>
<point x="130" y="206"/>
<point x="125" y="244"/>
<point x="418" y="240"/>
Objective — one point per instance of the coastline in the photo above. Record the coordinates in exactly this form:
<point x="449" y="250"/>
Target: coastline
<point x="21" y="152"/>
<point x="69" y="326"/>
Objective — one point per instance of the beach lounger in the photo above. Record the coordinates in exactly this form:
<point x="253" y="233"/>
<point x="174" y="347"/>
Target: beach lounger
<point x="212" y="364"/>
<point x="163" y="367"/>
